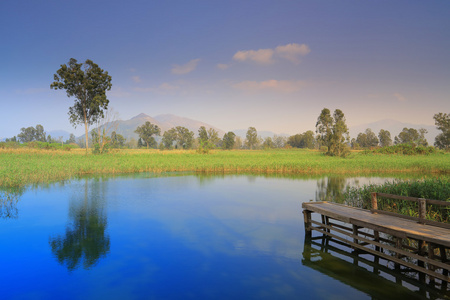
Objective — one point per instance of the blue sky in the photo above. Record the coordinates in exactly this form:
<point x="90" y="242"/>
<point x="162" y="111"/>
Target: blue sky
<point x="233" y="64"/>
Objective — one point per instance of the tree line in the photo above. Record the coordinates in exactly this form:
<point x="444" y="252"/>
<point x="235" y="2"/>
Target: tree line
<point x="88" y="83"/>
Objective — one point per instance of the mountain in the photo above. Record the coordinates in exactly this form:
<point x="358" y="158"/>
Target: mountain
<point x="165" y="122"/>
<point x="394" y="127"/>
<point x="56" y="134"/>
<point x="263" y="134"/>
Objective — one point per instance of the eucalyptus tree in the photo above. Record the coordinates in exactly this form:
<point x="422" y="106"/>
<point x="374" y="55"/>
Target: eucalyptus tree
<point x="252" y="138"/>
<point x="385" y="138"/>
<point x="228" y="140"/>
<point x="367" y="139"/>
<point x="146" y="132"/>
<point x="442" y="122"/>
<point x="88" y="83"/>
<point x="333" y="132"/>
<point x="411" y="136"/>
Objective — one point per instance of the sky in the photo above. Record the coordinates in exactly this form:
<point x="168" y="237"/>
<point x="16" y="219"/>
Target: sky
<point x="273" y="65"/>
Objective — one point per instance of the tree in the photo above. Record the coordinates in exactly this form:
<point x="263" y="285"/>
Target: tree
<point x="228" y="140"/>
<point x="40" y="133"/>
<point x="27" y="135"/>
<point x="279" y="141"/>
<point x="411" y="136"/>
<point x="385" y="138"/>
<point x="72" y="139"/>
<point x="367" y="139"/>
<point x="146" y="132"/>
<point x="333" y="132"/>
<point x="88" y="83"/>
<point x="268" y="143"/>
<point x="117" y="140"/>
<point x="184" y="137"/>
<point x="252" y="138"/>
<point x="324" y="127"/>
<point x="442" y="122"/>
<point x="303" y="140"/>
<point x="169" y="137"/>
<point x="208" y="139"/>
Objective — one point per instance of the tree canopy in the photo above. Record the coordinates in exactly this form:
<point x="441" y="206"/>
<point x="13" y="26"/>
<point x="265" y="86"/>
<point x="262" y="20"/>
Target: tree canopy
<point x="367" y="139"/>
<point x="333" y="132"/>
<point x="146" y="132"/>
<point x="252" y="138"/>
<point x="411" y="136"/>
<point x="88" y="83"/>
<point x="442" y="122"/>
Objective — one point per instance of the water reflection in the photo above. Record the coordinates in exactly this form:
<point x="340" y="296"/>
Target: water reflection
<point x="366" y="272"/>
<point x="9" y="197"/>
<point x="85" y="240"/>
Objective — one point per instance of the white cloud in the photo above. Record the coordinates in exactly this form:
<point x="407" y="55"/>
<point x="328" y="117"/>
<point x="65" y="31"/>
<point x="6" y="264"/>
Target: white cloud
<point x="400" y="97"/>
<point x="283" y="86"/>
<point x="186" y="68"/>
<point x="222" y="66"/>
<point x="168" y="87"/>
<point x="136" y="79"/>
<point x="261" y="56"/>
<point x="292" y="52"/>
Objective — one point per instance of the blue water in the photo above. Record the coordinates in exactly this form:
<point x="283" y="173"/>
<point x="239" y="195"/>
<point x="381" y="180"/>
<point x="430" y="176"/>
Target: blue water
<point x="170" y="237"/>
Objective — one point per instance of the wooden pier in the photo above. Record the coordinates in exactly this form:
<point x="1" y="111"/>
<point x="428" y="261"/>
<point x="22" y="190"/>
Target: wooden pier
<point x="415" y="243"/>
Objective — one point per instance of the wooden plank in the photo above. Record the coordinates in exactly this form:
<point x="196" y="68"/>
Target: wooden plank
<point x="399" y="227"/>
<point x="388" y="257"/>
<point x="387" y="247"/>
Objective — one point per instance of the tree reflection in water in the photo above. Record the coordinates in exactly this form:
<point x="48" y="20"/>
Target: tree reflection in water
<point x="331" y="189"/>
<point x="85" y="240"/>
<point x="9" y="197"/>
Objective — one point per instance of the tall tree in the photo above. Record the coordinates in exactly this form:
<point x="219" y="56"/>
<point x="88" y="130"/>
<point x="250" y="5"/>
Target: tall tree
<point x="27" y="135"/>
<point x="228" y="140"/>
<point x="208" y="138"/>
<point x="333" y="132"/>
<point x="385" y="138"/>
<point x="411" y="136"/>
<point x="367" y="139"/>
<point x="169" y="137"/>
<point x="442" y="122"/>
<point x="184" y="137"/>
<point x="88" y="83"/>
<point x="252" y="138"/>
<point x="146" y="132"/>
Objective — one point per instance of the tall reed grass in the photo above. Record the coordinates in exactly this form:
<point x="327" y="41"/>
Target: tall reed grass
<point x="24" y="166"/>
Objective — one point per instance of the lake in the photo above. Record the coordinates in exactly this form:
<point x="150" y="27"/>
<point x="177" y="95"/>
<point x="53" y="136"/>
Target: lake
<point x="180" y="236"/>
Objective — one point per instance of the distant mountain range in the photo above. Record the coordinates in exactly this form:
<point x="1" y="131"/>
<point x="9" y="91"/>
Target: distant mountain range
<point x="167" y="121"/>
<point x="127" y="127"/>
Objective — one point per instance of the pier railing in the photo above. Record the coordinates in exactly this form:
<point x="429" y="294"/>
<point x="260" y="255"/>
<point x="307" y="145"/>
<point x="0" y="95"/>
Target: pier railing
<point x="422" y="208"/>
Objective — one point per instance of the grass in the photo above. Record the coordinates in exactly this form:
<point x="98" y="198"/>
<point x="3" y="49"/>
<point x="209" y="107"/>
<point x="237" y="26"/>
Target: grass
<point x="428" y="188"/>
<point x="23" y="166"/>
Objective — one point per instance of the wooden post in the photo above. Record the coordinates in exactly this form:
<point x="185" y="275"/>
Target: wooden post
<point x="422" y="210"/>
<point x="374" y="202"/>
<point x="307" y="220"/>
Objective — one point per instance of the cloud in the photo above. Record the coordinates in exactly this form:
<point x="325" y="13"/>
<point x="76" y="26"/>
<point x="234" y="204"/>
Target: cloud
<point x="261" y="56"/>
<point x="400" y="97"/>
<point x="292" y="52"/>
<point x="163" y="88"/>
<point x="186" y="68"/>
<point x="136" y="79"/>
<point x="283" y="86"/>
<point x="222" y="66"/>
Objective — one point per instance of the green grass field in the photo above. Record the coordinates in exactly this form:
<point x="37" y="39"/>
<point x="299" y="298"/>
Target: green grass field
<point x="28" y="166"/>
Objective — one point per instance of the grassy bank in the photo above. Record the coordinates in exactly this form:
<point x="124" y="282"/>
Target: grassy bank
<point x="429" y="188"/>
<point x="23" y="166"/>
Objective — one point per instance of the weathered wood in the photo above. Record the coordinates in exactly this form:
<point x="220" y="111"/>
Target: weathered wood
<point x="374" y="203"/>
<point x="400" y="228"/>
<point x="422" y="210"/>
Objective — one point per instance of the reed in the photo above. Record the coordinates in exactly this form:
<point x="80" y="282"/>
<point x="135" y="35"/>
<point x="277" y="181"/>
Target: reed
<point x="24" y="166"/>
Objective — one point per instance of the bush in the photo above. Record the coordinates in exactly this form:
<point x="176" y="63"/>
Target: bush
<point x="404" y="149"/>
